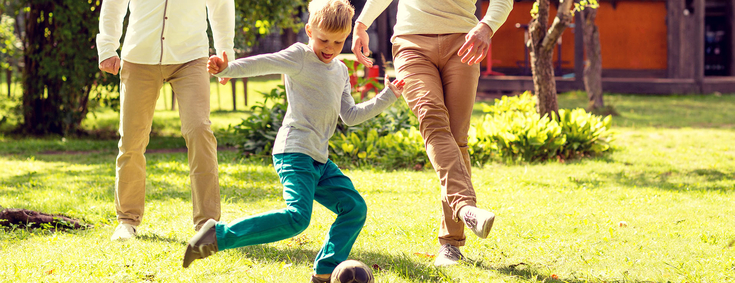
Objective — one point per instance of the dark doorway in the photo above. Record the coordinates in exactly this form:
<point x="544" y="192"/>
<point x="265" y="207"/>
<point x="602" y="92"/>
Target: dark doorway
<point x="717" y="42"/>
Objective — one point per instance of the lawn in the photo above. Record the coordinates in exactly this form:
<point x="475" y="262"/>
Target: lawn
<point x="658" y="209"/>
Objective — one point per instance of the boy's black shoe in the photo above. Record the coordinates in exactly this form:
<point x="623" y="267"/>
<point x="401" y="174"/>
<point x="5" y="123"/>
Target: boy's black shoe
<point x="315" y="279"/>
<point x="203" y="244"/>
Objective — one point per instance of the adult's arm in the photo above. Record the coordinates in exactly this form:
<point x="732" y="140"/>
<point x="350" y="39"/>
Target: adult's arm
<point x="221" y="15"/>
<point x="477" y="40"/>
<point x="112" y="14"/>
<point x="360" y="38"/>
<point x="497" y="13"/>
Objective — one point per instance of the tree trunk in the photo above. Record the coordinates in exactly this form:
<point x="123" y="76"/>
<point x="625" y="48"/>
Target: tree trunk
<point x="245" y="90"/>
<point x="58" y="75"/>
<point x="541" y="46"/>
<point x="233" y="83"/>
<point x="9" y="79"/>
<point x="593" y="64"/>
<point x="173" y="99"/>
<point x="544" y="84"/>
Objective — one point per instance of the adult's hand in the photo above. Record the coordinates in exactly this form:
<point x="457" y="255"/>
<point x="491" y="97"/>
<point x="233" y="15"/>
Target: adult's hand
<point x="217" y="64"/>
<point x="476" y="44"/>
<point x="110" y="65"/>
<point x="360" y="44"/>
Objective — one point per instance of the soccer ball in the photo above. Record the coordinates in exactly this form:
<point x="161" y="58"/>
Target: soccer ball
<point x="352" y="271"/>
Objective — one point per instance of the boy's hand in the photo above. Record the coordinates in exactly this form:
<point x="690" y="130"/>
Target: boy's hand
<point x="396" y="86"/>
<point x="217" y="64"/>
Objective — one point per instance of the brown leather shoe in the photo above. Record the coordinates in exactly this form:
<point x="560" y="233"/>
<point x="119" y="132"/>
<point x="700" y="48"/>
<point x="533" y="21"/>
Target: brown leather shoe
<point x="203" y="244"/>
<point x="315" y="279"/>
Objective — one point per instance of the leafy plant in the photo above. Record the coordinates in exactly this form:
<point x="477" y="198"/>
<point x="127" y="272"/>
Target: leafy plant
<point x="520" y="137"/>
<point x="515" y="132"/>
<point x="390" y="140"/>
<point x="394" y="150"/>
<point x="259" y="130"/>
<point x="586" y="133"/>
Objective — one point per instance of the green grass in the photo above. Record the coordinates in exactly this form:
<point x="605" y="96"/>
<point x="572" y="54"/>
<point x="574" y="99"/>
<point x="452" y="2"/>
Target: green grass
<point x="671" y="179"/>
<point x="103" y="123"/>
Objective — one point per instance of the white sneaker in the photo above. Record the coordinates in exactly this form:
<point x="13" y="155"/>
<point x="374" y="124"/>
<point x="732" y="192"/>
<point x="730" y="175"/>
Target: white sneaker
<point x="448" y="255"/>
<point x="123" y="232"/>
<point x="480" y="221"/>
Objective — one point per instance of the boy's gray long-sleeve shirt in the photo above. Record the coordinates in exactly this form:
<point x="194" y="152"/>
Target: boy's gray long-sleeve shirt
<point x="318" y="94"/>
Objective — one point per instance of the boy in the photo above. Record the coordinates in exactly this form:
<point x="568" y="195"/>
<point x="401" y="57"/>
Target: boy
<point x="319" y="92"/>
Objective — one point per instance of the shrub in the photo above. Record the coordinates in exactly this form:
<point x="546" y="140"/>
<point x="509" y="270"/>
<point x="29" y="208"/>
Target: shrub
<point x="516" y="132"/>
<point x="258" y="132"/>
<point x="389" y="141"/>
<point x="586" y="133"/>
<point x="401" y="149"/>
<point x="517" y="137"/>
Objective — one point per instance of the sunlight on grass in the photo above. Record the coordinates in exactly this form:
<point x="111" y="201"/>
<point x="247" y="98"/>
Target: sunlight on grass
<point x="658" y="209"/>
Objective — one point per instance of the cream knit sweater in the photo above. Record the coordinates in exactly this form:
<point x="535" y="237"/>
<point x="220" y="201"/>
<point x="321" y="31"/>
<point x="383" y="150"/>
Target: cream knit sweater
<point x="437" y="16"/>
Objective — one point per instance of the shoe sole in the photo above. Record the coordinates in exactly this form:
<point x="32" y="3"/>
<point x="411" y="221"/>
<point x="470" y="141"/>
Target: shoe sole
<point x="188" y="256"/>
<point x="486" y="227"/>
<point x="445" y="264"/>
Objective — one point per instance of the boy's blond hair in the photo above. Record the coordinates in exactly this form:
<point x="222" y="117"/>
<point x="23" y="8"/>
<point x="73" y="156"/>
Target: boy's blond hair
<point x="331" y="15"/>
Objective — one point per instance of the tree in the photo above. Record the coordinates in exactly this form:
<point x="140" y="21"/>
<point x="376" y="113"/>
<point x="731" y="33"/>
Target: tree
<point x="256" y="19"/>
<point x="60" y="71"/>
<point x="593" y="63"/>
<point x="541" y="42"/>
<point x="9" y="49"/>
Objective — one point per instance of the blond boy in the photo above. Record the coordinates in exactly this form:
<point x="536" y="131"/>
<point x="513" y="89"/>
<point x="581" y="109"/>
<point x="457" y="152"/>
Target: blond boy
<point x="319" y="92"/>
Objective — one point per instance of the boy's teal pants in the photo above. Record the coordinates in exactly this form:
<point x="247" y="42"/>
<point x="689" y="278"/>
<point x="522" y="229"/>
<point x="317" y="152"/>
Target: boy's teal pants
<point x="304" y="181"/>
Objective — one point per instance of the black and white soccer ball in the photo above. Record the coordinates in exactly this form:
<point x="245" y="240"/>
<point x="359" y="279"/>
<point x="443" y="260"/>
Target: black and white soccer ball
<point x="352" y="271"/>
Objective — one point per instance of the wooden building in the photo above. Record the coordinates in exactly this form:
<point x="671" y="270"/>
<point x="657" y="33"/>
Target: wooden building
<point x="648" y="46"/>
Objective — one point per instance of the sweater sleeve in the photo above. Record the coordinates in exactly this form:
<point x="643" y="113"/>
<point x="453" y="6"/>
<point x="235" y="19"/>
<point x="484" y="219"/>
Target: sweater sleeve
<point x="497" y="13"/>
<point x="371" y="11"/>
<point x="221" y="16"/>
<point x="112" y="14"/>
<point x="288" y="61"/>
<point x="355" y="114"/>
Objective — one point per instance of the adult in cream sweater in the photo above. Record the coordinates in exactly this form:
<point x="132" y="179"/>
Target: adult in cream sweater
<point x="437" y="48"/>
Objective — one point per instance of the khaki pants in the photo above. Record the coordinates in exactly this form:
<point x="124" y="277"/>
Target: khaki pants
<point x="139" y="89"/>
<point x="441" y="90"/>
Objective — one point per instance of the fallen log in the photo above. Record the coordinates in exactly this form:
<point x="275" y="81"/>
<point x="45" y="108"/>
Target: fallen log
<point x="29" y="219"/>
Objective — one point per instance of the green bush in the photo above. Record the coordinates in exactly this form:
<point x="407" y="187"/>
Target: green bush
<point x="514" y="131"/>
<point x="516" y="136"/>
<point x="394" y="150"/>
<point x="586" y="133"/>
<point x="258" y="132"/>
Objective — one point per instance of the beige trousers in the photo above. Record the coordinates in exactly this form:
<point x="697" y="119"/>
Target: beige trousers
<point x="441" y="91"/>
<point x="139" y="90"/>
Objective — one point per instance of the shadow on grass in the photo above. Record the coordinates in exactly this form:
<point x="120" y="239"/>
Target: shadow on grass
<point x="412" y="270"/>
<point x="167" y="176"/>
<point x="534" y="274"/>
<point x="150" y="237"/>
<point x="693" y="180"/>
<point x="401" y="265"/>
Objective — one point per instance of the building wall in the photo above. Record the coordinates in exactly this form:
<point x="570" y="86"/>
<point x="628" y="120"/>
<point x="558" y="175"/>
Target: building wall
<point x="633" y="36"/>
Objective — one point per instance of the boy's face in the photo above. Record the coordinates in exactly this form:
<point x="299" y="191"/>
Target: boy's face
<point x="326" y="45"/>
